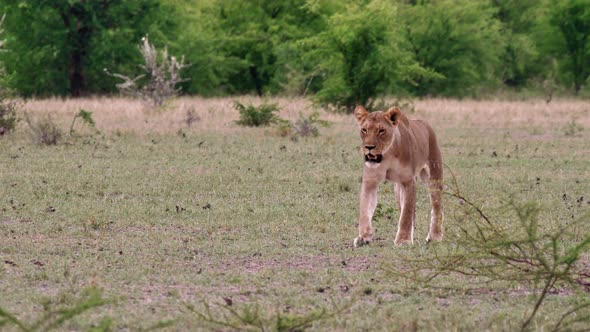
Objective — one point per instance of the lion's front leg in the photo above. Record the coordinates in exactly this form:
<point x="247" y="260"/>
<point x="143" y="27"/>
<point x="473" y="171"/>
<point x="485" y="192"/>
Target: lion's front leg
<point x="367" y="208"/>
<point x="405" y="230"/>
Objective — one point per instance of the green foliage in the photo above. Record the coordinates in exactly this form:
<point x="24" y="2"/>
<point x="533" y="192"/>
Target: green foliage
<point x="258" y="35"/>
<point x="256" y="116"/>
<point x="54" y="316"/>
<point x="381" y="212"/>
<point x="204" y="43"/>
<point x="572" y="19"/>
<point x="520" y="60"/>
<point x="86" y="117"/>
<point x="61" y="47"/>
<point x="357" y="54"/>
<point x="8" y="116"/>
<point x="342" y="52"/>
<point x="457" y="44"/>
<point x="8" y="105"/>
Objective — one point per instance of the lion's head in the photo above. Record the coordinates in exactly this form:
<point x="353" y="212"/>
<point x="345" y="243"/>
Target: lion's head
<point x="377" y="132"/>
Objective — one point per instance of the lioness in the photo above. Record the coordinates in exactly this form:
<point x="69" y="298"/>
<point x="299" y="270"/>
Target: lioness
<point x="397" y="149"/>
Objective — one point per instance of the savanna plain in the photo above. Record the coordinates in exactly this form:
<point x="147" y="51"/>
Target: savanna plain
<point x="183" y="220"/>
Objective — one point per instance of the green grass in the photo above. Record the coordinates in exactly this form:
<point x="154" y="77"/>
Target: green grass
<point x="161" y="222"/>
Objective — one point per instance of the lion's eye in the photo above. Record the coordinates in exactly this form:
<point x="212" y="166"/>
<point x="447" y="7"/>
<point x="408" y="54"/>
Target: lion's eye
<point x="364" y="131"/>
<point x="381" y="131"/>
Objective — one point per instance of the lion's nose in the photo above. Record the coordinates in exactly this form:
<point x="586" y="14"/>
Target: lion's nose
<point x="369" y="147"/>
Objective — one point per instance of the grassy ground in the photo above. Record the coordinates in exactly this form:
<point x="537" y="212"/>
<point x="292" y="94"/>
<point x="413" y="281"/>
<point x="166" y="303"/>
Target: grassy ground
<point x="161" y="216"/>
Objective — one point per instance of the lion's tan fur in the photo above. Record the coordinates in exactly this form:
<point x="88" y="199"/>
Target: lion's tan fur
<point x="398" y="150"/>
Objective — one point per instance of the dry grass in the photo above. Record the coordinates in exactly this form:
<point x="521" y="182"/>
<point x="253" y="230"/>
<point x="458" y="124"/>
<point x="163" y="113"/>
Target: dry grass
<point x="123" y="114"/>
<point x="498" y="113"/>
<point x="218" y="115"/>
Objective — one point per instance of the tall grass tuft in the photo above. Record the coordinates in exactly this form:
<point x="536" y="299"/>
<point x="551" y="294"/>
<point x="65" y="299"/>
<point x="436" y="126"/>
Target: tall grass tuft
<point x="44" y="131"/>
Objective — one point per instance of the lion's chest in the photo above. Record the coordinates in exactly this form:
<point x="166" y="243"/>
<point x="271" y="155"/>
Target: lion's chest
<point x="398" y="172"/>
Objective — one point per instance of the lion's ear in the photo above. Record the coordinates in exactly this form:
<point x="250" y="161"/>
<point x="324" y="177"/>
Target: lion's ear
<point x="394" y="114"/>
<point x="360" y="113"/>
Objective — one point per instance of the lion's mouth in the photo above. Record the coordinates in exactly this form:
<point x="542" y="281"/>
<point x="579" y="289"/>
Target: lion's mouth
<point x="371" y="158"/>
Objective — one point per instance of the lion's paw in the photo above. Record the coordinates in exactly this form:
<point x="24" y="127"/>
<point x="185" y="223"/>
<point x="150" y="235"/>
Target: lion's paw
<point x="401" y="241"/>
<point x="434" y="237"/>
<point x="359" y="242"/>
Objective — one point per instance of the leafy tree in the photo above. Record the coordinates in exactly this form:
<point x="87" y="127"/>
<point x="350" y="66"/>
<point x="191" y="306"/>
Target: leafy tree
<point x="458" y="42"/>
<point x="357" y="54"/>
<point x="258" y="34"/>
<point x="519" y="61"/>
<point x="61" y="46"/>
<point x="572" y="19"/>
<point x="202" y="41"/>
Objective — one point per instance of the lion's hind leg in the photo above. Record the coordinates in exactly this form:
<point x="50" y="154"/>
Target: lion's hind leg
<point x="432" y="176"/>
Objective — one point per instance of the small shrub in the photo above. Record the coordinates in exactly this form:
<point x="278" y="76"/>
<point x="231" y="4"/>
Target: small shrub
<point x="86" y="117"/>
<point x="308" y="126"/>
<point x="161" y="72"/>
<point x="283" y="127"/>
<point x="191" y="116"/>
<point x="8" y="109"/>
<point x="8" y="117"/>
<point x="252" y="116"/>
<point x="572" y="128"/>
<point x="8" y="106"/>
<point x="44" y="131"/>
<point x="303" y="127"/>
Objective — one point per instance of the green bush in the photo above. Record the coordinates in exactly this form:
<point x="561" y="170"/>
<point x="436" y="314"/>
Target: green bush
<point x="358" y="55"/>
<point x="452" y="45"/>
<point x="86" y="117"/>
<point x="256" y="116"/>
<point x="8" y="118"/>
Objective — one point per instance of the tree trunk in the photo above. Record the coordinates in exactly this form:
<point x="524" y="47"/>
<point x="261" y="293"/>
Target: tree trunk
<point x="77" y="84"/>
<point x="79" y="38"/>
<point x="256" y="80"/>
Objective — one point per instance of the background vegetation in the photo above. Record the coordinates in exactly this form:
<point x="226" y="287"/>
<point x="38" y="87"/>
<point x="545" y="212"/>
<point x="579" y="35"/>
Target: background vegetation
<point x="343" y="52"/>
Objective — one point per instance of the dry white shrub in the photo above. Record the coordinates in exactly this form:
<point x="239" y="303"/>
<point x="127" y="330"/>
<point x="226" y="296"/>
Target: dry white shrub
<point x="162" y="73"/>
